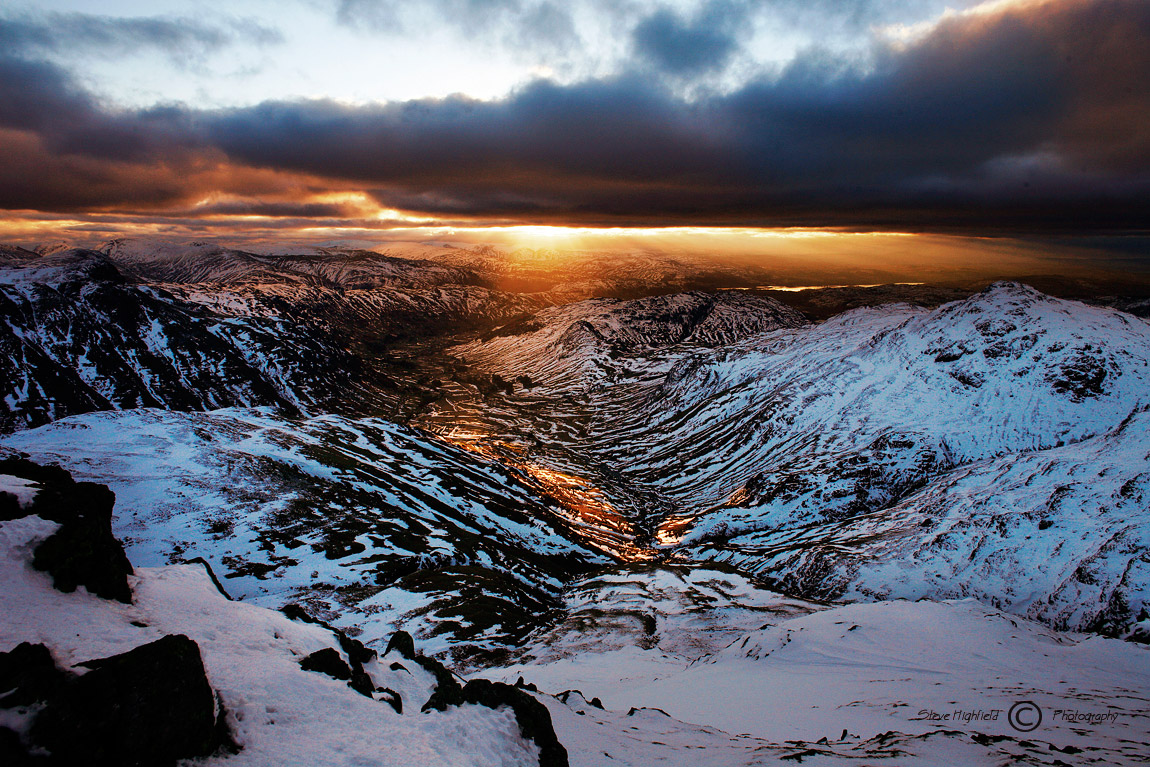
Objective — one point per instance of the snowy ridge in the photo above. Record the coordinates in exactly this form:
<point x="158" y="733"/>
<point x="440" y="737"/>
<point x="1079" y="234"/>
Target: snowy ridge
<point x="77" y="337"/>
<point x="1058" y="535"/>
<point x="1006" y="370"/>
<point x="406" y="310"/>
<point x="595" y="342"/>
<point x="351" y="518"/>
<point x="193" y="263"/>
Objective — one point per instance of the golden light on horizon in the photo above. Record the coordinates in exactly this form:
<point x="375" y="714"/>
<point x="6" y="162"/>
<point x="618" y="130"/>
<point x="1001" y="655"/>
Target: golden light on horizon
<point x="551" y="236"/>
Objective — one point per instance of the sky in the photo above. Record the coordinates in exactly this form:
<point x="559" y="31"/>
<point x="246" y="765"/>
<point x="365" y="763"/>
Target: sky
<point x="349" y="118"/>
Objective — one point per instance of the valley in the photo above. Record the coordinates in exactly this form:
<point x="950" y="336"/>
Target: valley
<point x="634" y="480"/>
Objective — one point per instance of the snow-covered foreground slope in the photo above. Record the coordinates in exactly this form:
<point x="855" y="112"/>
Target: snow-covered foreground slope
<point x="805" y="672"/>
<point x="352" y="518"/>
<point x="278" y="713"/>
<point x="720" y="672"/>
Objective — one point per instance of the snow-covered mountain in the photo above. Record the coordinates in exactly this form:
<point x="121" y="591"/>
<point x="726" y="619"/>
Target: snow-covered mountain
<point x="588" y="344"/>
<point x="787" y="451"/>
<point x="201" y="262"/>
<point x="1060" y="535"/>
<point x="875" y="400"/>
<point x="78" y="335"/>
<point x="641" y="499"/>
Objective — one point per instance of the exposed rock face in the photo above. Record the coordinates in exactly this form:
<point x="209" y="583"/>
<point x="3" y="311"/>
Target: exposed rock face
<point x="81" y="330"/>
<point x="76" y="336"/>
<point x="533" y="717"/>
<point x="402" y="643"/>
<point x="28" y="674"/>
<point x="83" y="552"/>
<point x="152" y="705"/>
<point x="328" y="661"/>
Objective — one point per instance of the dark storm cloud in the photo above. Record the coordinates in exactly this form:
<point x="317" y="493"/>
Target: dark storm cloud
<point x="42" y="97"/>
<point x="689" y="46"/>
<point x="183" y="40"/>
<point x="1032" y="116"/>
<point x="295" y="210"/>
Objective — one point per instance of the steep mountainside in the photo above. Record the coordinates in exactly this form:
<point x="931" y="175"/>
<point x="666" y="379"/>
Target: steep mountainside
<point x="78" y="335"/>
<point x="1060" y="535"/>
<point x="806" y="453"/>
<point x="352" y="518"/>
<point x="842" y="418"/>
<point x="588" y="344"/>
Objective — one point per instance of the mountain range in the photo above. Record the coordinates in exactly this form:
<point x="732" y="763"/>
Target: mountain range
<point x="627" y="485"/>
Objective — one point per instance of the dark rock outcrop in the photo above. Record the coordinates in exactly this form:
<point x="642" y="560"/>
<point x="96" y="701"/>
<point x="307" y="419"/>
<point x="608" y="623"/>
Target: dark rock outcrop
<point x="357" y="652"/>
<point x="151" y="706"/>
<point x="532" y="716"/>
<point x="83" y="552"/>
<point x="327" y="661"/>
<point x="9" y="506"/>
<point x="28" y="674"/>
<point x="394" y="698"/>
<point x="402" y="643"/>
<point x="13" y="753"/>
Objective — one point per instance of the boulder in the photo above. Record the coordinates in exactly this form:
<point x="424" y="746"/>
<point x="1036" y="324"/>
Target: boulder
<point x="83" y="552"/>
<point x="28" y="674"/>
<point x="402" y="643"/>
<point x="152" y="705"/>
<point x="327" y="661"/>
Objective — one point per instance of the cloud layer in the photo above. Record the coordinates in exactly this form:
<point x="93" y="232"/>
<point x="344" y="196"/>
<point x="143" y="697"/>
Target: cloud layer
<point x="1030" y="115"/>
<point x="183" y="40"/>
